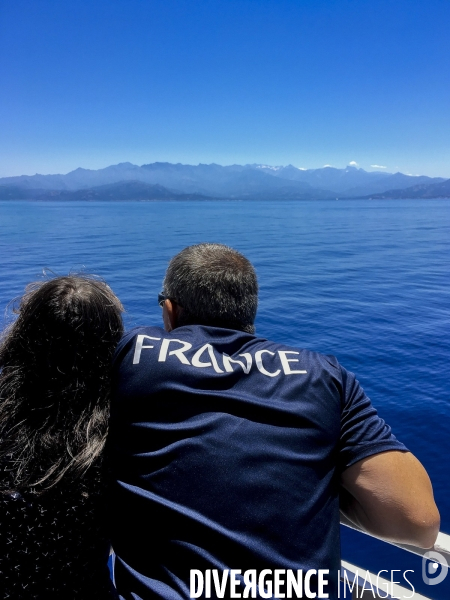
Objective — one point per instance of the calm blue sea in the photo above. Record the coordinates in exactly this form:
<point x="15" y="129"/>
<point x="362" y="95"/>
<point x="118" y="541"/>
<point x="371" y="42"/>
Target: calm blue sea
<point x="367" y="281"/>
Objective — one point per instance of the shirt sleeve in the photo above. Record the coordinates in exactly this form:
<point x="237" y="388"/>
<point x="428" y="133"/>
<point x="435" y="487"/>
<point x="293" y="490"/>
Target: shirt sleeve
<point x="363" y="432"/>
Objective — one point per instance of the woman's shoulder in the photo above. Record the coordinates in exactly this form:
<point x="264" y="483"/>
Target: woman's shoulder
<point x="56" y="538"/>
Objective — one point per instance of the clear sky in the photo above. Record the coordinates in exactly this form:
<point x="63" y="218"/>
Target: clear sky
<point x="309" y="82"/>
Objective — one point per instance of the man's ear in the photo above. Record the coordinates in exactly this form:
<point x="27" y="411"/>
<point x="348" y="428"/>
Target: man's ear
<point x="171" y="312"/>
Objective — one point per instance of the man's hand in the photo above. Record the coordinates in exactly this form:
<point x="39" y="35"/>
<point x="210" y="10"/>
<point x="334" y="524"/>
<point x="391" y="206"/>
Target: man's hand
<point x="390" y="495"/>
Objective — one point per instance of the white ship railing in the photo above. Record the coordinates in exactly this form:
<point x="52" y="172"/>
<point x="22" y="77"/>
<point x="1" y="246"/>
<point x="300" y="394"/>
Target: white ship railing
<point x="352" y="572"/>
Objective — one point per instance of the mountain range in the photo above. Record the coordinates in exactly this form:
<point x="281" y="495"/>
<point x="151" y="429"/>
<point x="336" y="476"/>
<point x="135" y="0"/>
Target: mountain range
<point x="434" y="190"/>
<point x="167" y="181"/>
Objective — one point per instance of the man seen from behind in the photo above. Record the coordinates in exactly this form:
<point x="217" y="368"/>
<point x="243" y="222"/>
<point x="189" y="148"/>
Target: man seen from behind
<point x="232" y="452"/>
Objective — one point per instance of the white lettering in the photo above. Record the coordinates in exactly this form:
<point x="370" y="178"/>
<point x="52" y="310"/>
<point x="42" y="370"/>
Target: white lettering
<point x="383" y="583"/>
<point x="270" y="583"/>
<point x="412" y="587"/>
<point x="322" y="582"/>
<point x="354" y="582"/>
<point x="285" y="362"/>
<point x="308" y="592"/>
<point x="234" y="582"/>
<point x="208" y="583"/>
<point x="227" y="360"/>
<point x="265" y="592"/>
<point x="278" y="581"/>
<point x="392" y="582"/>
<point x="140" y="346"/>
<point x="220" y="588"/>
<point x="368" y="579"/>
<point x="250" y="583"/>
<point x="196" y="362"/>
<point x="261" y="369"/>
<point x="297" y="584"/>
<point x="178" y="352"/>
<point x="196" y="581"/>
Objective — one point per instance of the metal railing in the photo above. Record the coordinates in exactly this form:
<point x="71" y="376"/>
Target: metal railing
<point x="442" y="556"/>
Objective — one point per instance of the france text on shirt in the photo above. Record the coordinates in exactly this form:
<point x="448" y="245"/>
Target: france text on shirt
<point x="206" y="356"/>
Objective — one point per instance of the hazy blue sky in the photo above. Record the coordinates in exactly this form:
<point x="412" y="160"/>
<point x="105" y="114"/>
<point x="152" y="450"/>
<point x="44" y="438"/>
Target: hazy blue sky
<point x="310" y="82"/>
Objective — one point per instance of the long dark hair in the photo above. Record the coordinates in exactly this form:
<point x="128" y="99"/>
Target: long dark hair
<point x="54" y="380"/>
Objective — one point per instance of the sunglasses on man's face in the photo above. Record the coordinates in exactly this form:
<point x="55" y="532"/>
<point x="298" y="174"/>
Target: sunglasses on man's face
<point x="162" y="298"/>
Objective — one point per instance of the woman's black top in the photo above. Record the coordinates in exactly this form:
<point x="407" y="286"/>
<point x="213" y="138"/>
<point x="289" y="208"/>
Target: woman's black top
<point x="54" y="546"/>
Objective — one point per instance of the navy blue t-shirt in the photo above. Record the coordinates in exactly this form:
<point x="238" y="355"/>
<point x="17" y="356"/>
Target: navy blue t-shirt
<point x="227" y="452"/>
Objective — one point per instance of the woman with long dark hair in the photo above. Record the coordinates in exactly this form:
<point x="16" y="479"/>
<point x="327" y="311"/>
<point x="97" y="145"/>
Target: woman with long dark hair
<point x="54" y="408"/>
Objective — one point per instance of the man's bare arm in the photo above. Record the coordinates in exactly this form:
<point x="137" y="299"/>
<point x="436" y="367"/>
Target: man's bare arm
<point x="390" y="495"/>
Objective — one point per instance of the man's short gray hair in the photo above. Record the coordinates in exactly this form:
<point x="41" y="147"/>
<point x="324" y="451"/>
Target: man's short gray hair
<point x="214" y="285"/>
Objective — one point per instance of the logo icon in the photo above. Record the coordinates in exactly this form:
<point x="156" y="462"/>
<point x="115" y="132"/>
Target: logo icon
<point x="430" y="567"/>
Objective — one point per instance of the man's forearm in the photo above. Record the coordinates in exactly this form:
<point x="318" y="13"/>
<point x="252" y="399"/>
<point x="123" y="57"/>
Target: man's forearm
<point x="399" y="531"/>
